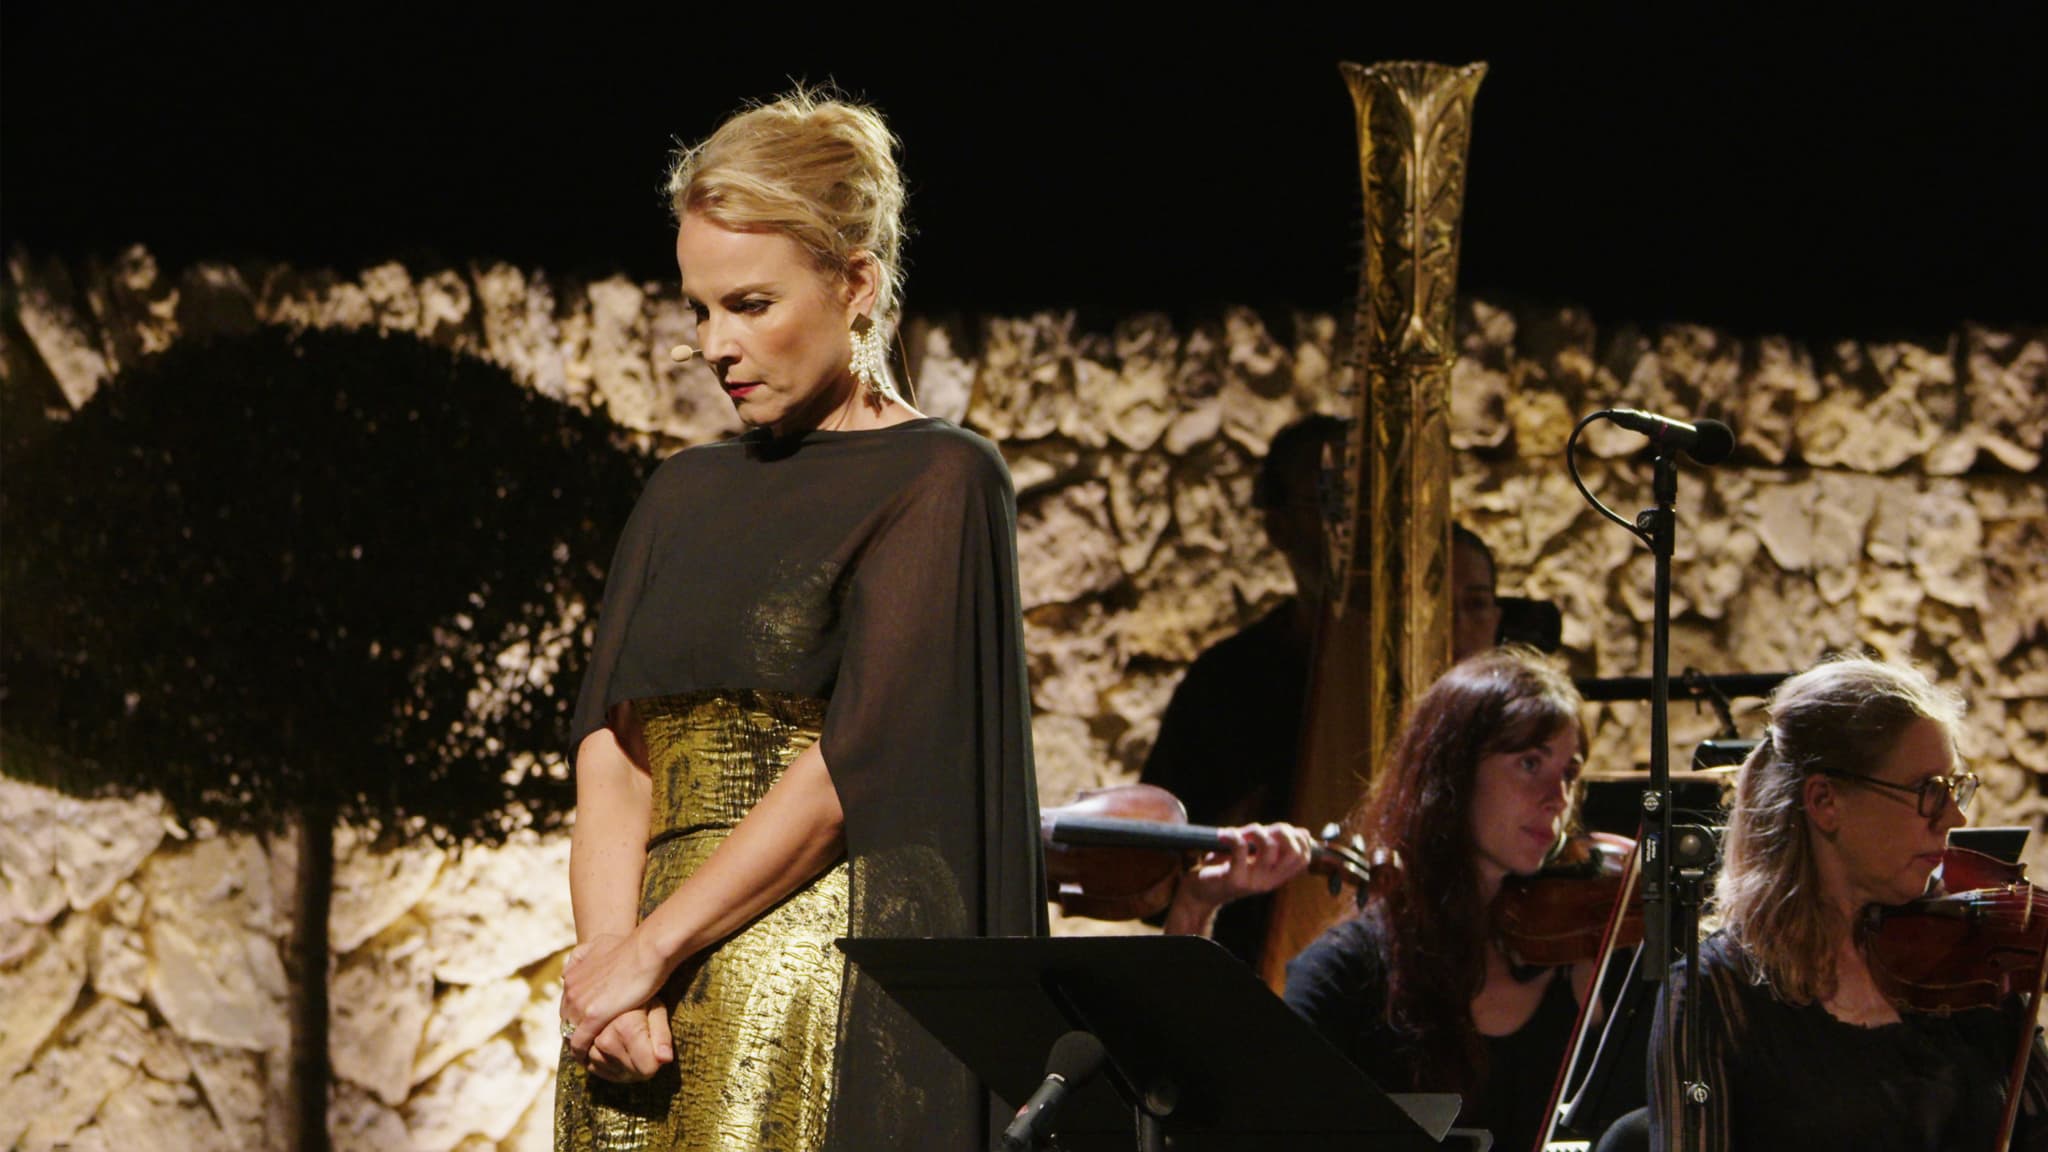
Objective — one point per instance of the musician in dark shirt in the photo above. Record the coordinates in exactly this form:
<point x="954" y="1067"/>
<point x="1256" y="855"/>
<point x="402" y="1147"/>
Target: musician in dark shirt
<point x="1847" y="803"/>
<point x="1417" y="989"/>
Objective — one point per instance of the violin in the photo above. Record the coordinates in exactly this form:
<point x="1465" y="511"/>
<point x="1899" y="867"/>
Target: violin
<point x="1582" y="907"/>
<point x="1559" y="916"/>
<point x="1117" y="853"/>
<point x="1976" y="945"/>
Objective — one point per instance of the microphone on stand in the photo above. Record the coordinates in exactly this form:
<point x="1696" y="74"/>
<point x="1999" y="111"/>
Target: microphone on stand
<point x="1707" y="441"/>
<point x="1076" y="1057"/>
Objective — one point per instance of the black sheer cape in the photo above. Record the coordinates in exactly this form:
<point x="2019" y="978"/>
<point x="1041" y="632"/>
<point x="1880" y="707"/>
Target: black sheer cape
<point x="877" y="570"/>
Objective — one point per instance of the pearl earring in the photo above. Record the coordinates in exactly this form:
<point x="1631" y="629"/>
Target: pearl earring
<point x="870" y="359"/>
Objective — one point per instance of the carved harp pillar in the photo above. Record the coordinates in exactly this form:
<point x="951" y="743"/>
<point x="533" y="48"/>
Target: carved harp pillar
<point x="1387" y="634"/>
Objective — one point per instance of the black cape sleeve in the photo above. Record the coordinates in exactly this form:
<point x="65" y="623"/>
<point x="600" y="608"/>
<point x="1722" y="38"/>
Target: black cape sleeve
<point x="928" y="740"/>
<point x="632" y="560"/>
<point x="928" y="733"/>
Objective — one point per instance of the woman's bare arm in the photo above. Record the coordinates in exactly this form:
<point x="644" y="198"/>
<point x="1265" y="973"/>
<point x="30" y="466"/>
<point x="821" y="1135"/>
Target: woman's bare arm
<point x="608" y="848"/>
<point x="607" y="857"/>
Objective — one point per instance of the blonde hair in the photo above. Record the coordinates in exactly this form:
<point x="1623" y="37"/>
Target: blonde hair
<point x="1842" y="717"/>
<point x="815" y="167"/>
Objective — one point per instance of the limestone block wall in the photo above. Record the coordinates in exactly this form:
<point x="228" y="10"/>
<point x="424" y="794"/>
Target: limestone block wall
<point x="140" y="976"/>
<point x="146" y="997"/>
<point x="1885" y="495"/>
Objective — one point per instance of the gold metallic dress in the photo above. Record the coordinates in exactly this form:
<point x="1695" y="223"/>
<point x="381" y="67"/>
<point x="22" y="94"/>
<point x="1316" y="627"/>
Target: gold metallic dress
<point x="756" y="1018"/>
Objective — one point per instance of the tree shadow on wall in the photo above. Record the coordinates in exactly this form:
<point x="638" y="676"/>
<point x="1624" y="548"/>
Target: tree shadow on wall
<point x="289" y="580"/>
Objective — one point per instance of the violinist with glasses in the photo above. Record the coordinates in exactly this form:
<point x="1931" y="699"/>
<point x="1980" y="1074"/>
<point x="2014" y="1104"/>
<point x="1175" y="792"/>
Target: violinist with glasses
<point x="1804" y="1040"/>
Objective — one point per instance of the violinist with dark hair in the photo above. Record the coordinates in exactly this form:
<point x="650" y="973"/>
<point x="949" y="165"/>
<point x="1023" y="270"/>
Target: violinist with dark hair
<point x="1847" y="804"/>
<point x="1418" y="989"/>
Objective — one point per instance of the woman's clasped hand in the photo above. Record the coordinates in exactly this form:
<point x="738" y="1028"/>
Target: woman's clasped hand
<point x="612" y="1018"/>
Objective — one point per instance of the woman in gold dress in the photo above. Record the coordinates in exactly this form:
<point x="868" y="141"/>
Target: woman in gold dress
<point x="805" y="713"/>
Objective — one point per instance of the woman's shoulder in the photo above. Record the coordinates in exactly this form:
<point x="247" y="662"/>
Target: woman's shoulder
<point x="949" y="451"/>
<point x="1721" y="951"/>
<point x="1339" y="981"/>
<point x="1725" y="967"/>
<point x="671" y="482"/>
<point x="681" y="463"/>
<point x="1353" y="949"/>
<point x="928" y="451"/>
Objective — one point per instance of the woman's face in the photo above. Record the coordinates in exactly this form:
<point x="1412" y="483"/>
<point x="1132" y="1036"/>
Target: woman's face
<point x="1518" y="805"/>
<point x="775" y="330"/>
<point x="1888" y="849"/>
<point x="1475" y="613"/>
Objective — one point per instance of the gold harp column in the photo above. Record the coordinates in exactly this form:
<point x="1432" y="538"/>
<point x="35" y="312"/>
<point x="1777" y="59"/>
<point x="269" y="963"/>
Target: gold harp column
<point x="1387" y="633"/>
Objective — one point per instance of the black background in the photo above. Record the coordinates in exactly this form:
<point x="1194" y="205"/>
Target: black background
<point x="1866" y="175"/>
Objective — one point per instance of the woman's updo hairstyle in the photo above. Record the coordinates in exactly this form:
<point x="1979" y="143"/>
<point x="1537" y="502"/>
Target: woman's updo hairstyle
<point x="817" y="168"/>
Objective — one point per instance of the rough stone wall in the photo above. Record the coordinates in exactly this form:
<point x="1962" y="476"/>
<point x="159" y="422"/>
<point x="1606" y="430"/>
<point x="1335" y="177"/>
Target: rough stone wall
<point x="1886" y="495"/>
<point x="141" y="979"/>
<point x="445" y="994"/>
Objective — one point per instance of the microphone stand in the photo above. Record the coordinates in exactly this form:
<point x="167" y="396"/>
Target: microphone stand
<point x="1657" y="527"/>
<point x="1673" y="874"/>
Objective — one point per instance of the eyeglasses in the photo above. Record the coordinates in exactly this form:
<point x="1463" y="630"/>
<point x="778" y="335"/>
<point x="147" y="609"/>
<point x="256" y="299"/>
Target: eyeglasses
<point x="1931" y="795"/>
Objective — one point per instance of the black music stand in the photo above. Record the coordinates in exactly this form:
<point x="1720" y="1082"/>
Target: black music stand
<point x="1197" y="1045"/>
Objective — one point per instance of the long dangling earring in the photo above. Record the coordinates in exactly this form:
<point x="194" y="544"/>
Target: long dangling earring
<point x="870" y="364"/>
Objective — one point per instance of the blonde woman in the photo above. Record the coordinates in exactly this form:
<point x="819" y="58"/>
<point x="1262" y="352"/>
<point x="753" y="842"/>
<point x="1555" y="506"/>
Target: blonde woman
<point x="805" y="714"/>
<point x="1847" y="803"/>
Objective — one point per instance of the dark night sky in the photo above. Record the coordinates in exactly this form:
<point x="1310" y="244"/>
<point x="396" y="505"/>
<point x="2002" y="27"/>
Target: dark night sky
<point x="1877" y="177"/>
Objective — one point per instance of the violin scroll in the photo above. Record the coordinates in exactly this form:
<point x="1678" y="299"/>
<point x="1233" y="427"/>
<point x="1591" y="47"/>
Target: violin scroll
<point x="1352" y="861"/>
